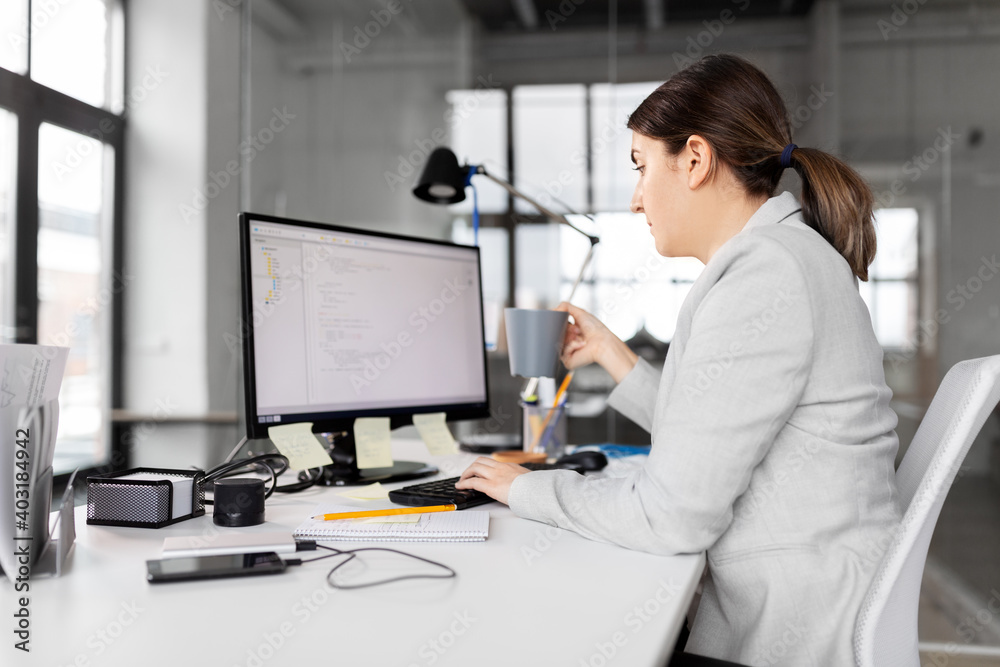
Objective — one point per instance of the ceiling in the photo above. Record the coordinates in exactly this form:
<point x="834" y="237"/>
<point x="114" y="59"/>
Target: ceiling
<point x="550" y="15"/>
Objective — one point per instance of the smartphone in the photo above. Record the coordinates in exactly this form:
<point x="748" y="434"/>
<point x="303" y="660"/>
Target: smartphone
<point x="212" y="567"/>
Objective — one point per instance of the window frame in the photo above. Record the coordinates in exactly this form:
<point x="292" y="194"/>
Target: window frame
<point x="33" y="104"/>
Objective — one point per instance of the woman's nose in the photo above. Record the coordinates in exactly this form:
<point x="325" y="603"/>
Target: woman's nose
<point x="636" y="204"/>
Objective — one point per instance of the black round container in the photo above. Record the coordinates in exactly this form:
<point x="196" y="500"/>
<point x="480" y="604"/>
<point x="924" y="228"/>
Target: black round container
<point x="239" y="501"/>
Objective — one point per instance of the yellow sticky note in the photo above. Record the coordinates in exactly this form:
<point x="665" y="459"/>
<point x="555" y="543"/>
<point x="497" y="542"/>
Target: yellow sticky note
<point x="371" y="492"/>
<point x="371" y="440"/>
<point x="435" y="434"/>
<point x="297" y="442"/>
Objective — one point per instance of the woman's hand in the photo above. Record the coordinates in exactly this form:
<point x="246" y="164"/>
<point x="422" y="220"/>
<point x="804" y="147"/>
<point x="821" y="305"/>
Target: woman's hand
<point x="587" y="341"/>
<point x="491" y="477"/>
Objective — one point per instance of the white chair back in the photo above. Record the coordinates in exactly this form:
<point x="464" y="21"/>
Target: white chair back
<point x="886" y="629"/>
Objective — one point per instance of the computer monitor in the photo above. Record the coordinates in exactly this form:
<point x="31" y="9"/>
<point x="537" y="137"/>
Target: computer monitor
<point x="341" y="323"/>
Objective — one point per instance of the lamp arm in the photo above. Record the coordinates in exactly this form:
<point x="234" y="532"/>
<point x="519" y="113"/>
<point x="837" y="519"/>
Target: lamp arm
<point x="579" y="277"/>
<point x="552" y="215"/>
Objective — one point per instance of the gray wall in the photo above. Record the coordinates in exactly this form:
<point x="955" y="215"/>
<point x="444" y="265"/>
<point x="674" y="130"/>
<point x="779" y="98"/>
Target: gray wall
<point x="354" y="121"/>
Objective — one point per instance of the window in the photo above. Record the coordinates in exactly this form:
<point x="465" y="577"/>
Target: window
<point x="69" y="50"/>
<point x="60" y="177"/>
<point x="14" y="28"/>
<point x="570" y="148"/>
<point x="8" y="165"/>
<point x="892" y="287"/>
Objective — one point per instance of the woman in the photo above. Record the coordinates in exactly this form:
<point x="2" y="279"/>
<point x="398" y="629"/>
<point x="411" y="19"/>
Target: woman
<point x="772" y="436"/>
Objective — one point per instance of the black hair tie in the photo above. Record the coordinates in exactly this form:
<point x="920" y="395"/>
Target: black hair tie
<point x="786" y="156"/>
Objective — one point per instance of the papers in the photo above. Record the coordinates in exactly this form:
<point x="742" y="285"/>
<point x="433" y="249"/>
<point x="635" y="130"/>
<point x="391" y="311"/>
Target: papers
<point x="371" y="492"/>
<point x="435" y="434"/>
<point x="30" y="378"/>
<point x="31" y="375"/>
<point x="297" y="442"/>
<point x="182" y="489"/>
<point x="372" y="443"/>
<point x="463" y="526"/>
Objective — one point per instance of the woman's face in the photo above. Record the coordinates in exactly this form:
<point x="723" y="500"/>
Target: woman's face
<point x="661" y="194"/>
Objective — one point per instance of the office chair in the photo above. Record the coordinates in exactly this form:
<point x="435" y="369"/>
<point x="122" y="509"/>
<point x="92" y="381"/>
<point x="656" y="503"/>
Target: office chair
<point x="885" y="634"/>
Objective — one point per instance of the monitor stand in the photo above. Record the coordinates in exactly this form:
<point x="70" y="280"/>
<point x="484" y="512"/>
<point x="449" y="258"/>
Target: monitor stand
<point x="345" y="472"/>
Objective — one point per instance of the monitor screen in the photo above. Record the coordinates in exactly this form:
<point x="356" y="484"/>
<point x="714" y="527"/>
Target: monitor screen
<point x="342" y="323"/>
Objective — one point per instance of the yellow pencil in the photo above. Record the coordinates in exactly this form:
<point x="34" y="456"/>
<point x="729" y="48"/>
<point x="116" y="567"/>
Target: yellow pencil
<point x="391" y="512"/>
<point x="552" y="411"/>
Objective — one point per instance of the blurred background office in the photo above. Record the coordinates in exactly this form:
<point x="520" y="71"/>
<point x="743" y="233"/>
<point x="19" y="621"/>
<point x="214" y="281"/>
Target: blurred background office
<point x="132" y="133"/>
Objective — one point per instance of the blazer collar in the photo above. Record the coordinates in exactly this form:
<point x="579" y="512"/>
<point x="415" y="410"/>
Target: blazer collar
<point x="774" y="210"/>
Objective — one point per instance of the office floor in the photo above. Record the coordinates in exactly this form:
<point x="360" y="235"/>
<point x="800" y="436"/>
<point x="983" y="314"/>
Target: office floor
<point x="960" y="597"/>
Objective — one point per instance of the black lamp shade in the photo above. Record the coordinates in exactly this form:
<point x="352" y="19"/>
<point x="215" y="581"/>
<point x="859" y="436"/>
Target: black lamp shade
<point x="443" y="180"/>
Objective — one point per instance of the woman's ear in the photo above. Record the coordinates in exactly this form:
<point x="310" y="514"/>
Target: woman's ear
<point x="697" y="160"/>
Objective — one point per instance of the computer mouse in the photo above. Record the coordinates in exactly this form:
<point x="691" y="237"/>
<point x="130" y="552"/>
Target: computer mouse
<point x="585" y="461"/>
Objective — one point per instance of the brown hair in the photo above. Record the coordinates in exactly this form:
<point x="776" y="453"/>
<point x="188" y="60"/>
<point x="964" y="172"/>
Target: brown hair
<point x="737" y="110"/>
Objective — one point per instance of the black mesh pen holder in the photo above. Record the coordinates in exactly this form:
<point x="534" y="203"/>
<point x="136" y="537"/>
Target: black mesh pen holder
<point x="147" y="502"/>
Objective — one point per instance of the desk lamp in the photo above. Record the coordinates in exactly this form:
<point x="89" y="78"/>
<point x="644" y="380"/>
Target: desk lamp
<point x="443" y="181"/>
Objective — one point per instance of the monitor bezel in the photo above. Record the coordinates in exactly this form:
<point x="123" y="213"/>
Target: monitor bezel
<point x="333" y="422"/>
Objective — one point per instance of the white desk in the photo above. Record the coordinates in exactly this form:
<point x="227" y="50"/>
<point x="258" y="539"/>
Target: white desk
<point x="529" y="595"/>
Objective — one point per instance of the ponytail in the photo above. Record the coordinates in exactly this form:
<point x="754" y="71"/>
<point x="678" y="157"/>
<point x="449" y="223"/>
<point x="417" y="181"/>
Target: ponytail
<point x="837" y="203"/>
<point x="737" y="109"/>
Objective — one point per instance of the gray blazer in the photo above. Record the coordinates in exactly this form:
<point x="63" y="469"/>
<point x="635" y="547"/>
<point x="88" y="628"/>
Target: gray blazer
<point x="772" y="449"/>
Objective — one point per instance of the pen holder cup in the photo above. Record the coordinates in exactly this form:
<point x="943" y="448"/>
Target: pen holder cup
<point x="551" y="440"/>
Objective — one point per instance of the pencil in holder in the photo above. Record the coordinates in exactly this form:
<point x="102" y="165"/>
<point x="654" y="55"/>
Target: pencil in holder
<point x="538" y="436"/>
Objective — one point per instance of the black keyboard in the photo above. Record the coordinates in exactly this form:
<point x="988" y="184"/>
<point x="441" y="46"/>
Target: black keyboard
<point x="443" y="492"/>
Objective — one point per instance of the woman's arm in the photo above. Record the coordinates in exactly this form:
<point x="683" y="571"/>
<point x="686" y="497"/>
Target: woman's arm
<point x="743" y="372"/>
<point x="587" y="341"/>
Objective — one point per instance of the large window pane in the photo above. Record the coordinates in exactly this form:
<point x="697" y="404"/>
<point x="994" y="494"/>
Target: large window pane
<point x="896" y="233"/>
<point x="478" y="123"/>
<point x="14" y="36"/>
<point x="611" y="142"/>
<point x="8" y="167"/>
<point x="69" y="48"/>
<point x="634" y="285"/>
<point x="550" y="145"/>
<point x="74" y="292"/>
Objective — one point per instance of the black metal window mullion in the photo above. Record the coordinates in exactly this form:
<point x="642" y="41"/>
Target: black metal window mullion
<point x="35" y="104"/>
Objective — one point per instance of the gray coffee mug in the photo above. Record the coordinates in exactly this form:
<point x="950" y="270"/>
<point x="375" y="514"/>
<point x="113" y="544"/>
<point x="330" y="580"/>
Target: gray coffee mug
<point x="534" y="340"/>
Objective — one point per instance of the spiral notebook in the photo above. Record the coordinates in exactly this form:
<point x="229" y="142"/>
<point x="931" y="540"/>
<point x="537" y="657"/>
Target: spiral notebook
<point x="464" y="526"/>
